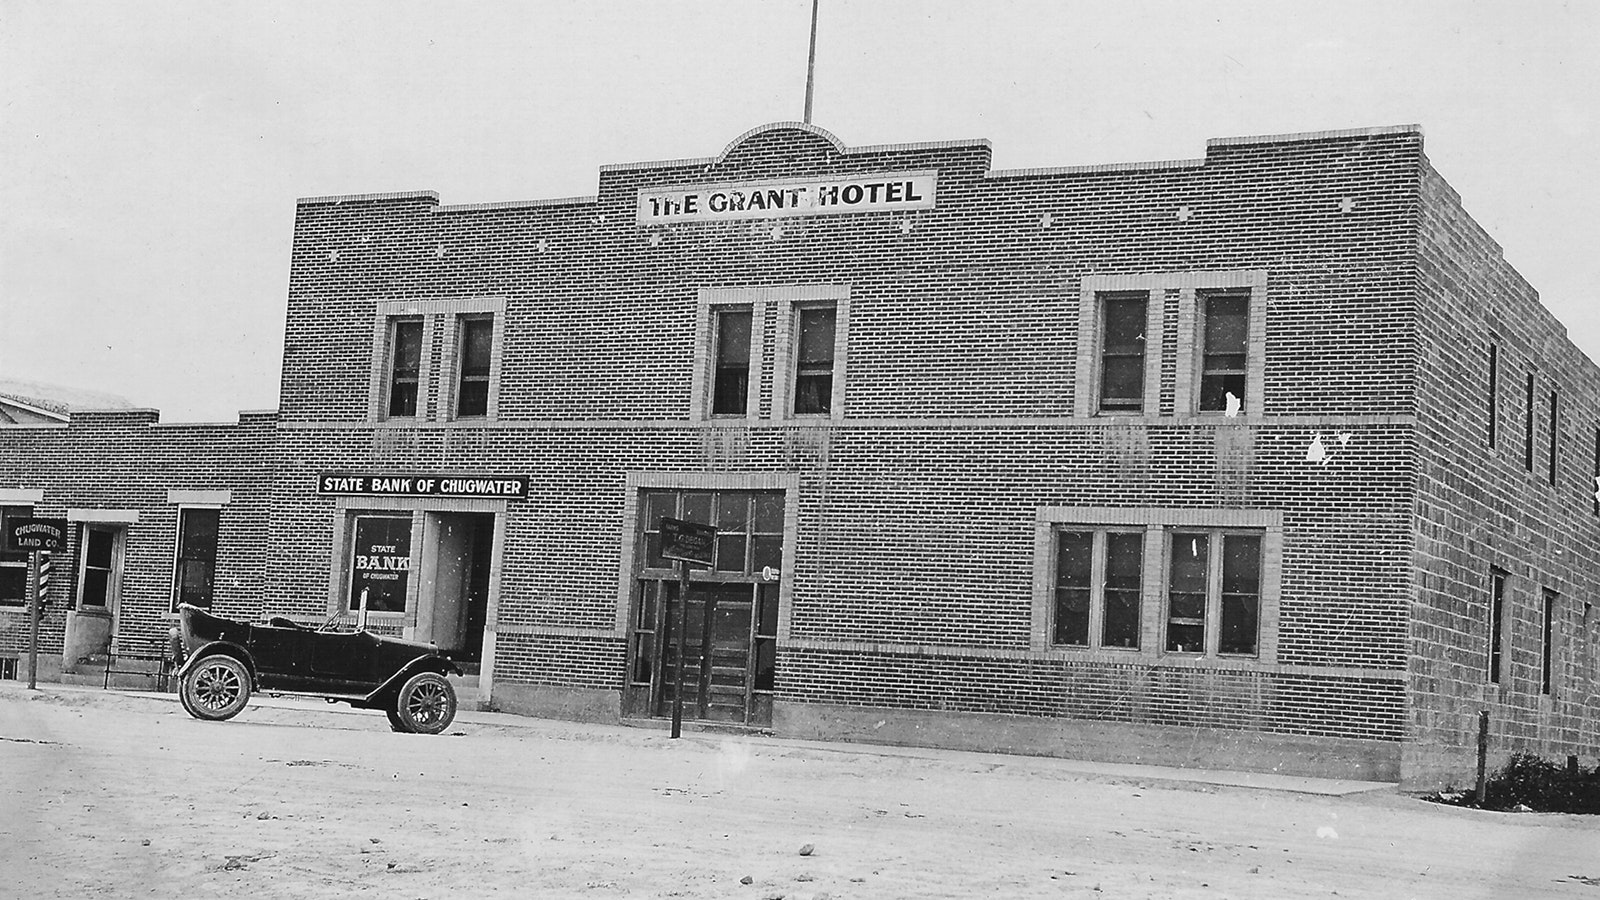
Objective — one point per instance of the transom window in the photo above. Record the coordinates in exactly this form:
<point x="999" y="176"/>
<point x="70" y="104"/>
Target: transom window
<point x="749" y="527"/>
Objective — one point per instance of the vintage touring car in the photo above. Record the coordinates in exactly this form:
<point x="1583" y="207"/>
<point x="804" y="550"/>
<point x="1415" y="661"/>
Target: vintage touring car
<point x="226" y="660"/>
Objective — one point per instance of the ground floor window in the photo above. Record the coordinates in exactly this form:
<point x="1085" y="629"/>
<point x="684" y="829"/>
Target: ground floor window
<point x="13" y="565"/>
<point x="380" y="562"/>
<point x="98" y="567"/>
<point x="196" y="567"/>
<point x="1152" y="581"/>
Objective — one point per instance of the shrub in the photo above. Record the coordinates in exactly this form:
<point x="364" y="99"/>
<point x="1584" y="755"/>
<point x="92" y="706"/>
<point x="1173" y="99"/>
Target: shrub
<point x="1534" y="783"/>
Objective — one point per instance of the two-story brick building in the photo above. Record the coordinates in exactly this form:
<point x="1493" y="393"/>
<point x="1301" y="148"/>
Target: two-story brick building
<point x="1261" y="460"/>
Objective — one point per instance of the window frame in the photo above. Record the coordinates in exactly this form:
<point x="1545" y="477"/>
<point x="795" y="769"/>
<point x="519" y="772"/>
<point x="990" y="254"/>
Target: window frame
<point x="794" y="370"/>
<point x="438" y="381"/>
<point x="1099" y="563"/>
<point x="1203" y="352"/>
<point x="178" y="558"/>
<point x="1494" y="649"/>
<point x="752" y="360"/>
<point x="460" y="376"/>
<point x="16" y="559"/>
<point x="1158" y="524"/>
<point x="392" y="377"/>
<point x="1181" y="295"/>
<point x="1215" y="608"/>
<point x="118" y="533"/>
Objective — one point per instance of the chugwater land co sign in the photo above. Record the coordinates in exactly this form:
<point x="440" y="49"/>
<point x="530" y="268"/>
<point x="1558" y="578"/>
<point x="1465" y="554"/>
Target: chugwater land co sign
<point x="378" y="485"/>
<point x="29" y="535"/>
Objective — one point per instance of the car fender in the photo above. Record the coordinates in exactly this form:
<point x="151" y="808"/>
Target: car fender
<point x="218" y="648"/>
<point x="426" y="663"/>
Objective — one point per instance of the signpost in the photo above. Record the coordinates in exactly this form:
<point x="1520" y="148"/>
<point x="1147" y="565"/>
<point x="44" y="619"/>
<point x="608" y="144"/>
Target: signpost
<point x="39" y="538"/>
<point x="685" y="542"/>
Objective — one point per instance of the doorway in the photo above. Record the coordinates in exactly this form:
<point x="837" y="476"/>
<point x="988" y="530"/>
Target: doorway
<point x="730" y="636"/>
<point x="459" y="550"/>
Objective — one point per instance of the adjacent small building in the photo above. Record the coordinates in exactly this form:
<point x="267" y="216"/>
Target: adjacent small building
<point x="1263" y="460"/>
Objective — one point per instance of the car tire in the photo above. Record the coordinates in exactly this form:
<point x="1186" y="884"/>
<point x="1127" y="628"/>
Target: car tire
<point x="425" y="704"/>
<point x="395" y="722"/>
<point x="217" y="688"/>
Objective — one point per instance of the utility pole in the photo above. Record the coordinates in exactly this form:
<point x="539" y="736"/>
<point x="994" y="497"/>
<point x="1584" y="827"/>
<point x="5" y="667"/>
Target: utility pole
<point x="811" y="61"/>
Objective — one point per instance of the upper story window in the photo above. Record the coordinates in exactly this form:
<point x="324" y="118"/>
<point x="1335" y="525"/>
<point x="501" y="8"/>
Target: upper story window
<point x="405" y="366"/>
<point x="1497" y="609"/>
<point x="475" y="355"/>
<point x="1225" y="332"/>
<point x="1494" y="394"/>
<point x="437" y="359"/>
<point x="13" y="565"/>
<point x="194" y="575"/>
<point x="1527" y="438"/>
<point x="814" y="358"/>
<point x="1172" y="343"/>
<point x="730" y="392"/>
<point x="1122" y="352"/>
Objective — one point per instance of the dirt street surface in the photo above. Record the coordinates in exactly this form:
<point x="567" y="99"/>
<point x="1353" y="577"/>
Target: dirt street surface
<point x="107" y="794"/>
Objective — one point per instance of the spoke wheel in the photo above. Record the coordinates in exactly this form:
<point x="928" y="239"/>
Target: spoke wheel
<point x="425" y="704"/>
<point x="216" y="689"/>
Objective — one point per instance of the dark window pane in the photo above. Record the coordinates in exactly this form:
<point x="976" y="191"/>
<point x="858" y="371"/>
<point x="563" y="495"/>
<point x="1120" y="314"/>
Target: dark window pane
<point x="697" y="507"/>
<point x="1186" y="592"/>
<point x="652" y="552"/>
<point x="733" y="338"/>
<point x="1074" y="560"/>
<point x="733" y="511"/>
<point x="1227" y="327"/>
<point x="1241" y="621"/>
<point x="769" y="513"/>
<point x="1123" y="384"/>
<point x="730" y="552"/>
<point x="767" y="625"/>
<point x="194" y="583"/>
<point x="199" y="533"/>
<point x="1215" y="388"/>
<point x="766" y="551"/>
<point x="403" y="399"/>
<point x="1241" y="564"/>
<point x="95" y="583"/>
<point x="13" y="583"/>
<point x="731" y="394"/>
<point x="813" y="394"/>
<point x="656" y="505"/>
<point x="98" y="546"/>
<point x="1124" y="579"/>
<point x="816" y="336"/>
<point x="380" y="562"/>
<point x="477" y="346"/>
<point x="472" y="399"/>
<point x="766" y="664"/>
<point x="1124" y="320"/>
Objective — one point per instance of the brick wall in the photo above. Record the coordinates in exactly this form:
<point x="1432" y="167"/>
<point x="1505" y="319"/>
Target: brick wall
<point x="958" y="411"/>
<point x="1479" y="506"/>
<point x="127" y="460"/>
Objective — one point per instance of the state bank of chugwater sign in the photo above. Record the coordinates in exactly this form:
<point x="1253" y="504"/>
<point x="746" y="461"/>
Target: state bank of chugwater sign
<point x="359" y="484"/>
<point x="884" y="192"/>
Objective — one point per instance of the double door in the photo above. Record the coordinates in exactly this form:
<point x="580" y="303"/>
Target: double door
<point x="729" y="650"/>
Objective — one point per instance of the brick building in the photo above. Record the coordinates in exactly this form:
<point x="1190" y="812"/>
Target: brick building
<point x="1262" y="460"/>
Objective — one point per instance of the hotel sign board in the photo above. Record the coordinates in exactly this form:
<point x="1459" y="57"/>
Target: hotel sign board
<point x="884" y="192"/>
<point x="348" y="484"/>
<point x="687" y="541"/>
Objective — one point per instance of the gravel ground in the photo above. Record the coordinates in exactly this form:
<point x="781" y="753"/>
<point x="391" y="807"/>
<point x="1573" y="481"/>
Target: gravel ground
<point x="108" y="794"/>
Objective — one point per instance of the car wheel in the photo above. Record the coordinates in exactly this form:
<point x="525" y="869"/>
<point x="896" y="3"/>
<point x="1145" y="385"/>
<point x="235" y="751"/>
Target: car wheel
<point x="395" y="722"/>
<point x="425" y="704"/>
<point x="217" y="688"/>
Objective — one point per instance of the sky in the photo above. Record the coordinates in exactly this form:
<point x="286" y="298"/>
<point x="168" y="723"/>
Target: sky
<point x="151" y="153"/>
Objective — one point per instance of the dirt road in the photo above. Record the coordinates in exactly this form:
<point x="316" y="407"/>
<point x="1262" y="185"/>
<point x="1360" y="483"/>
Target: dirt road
<point x="115" y="795"/>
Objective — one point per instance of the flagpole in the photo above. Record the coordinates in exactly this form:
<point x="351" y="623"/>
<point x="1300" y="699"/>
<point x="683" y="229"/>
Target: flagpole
<point x="811" y="60"/>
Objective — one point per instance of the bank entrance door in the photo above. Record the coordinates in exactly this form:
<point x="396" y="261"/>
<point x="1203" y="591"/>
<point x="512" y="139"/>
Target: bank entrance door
<point x="458" y="554"/>
<point x="730" y="642"/>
